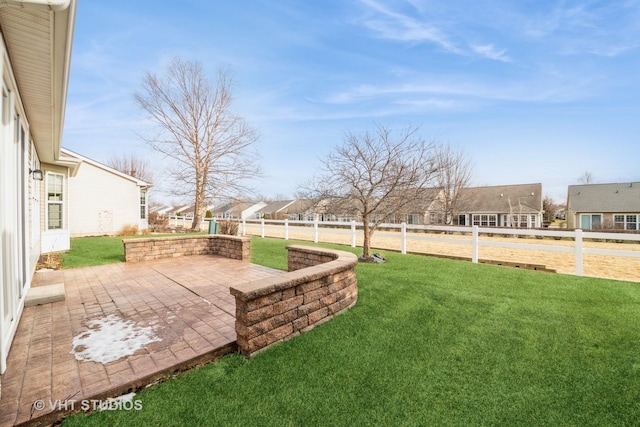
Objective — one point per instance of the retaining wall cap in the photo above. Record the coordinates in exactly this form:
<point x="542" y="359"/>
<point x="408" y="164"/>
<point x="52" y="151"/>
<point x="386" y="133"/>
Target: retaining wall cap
<point x="339" y="255"/>
<point x="197" y="236"/>
<point x="258" y="288"/>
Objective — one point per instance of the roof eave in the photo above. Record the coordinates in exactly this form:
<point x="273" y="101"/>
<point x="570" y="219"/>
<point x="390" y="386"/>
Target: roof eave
<point x="44" y="100"/>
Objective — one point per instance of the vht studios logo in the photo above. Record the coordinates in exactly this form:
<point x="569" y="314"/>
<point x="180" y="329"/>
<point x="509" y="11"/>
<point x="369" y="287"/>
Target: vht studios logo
<point x="86" y="405"/>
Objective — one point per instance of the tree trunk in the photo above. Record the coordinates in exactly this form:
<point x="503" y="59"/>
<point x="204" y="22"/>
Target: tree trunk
<point x="366" y="244"/>
<point x="197" y="208"/>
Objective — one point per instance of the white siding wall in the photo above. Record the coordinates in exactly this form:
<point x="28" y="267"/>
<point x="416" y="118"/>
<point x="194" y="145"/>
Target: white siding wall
<point x="101" y="202"/>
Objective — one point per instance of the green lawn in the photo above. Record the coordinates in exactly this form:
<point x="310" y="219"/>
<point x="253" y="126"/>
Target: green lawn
<point x="430" y="342"/>
<point x="88" y="251"/>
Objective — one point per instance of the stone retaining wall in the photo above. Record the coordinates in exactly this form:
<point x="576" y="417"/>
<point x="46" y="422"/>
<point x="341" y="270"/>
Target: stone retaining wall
<point x="320" y="284"/>
<point x="175" y="246"/>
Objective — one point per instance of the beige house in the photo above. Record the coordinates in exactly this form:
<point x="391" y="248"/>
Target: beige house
<point x="604" y="206"/>
<point x="102" y="200"/>
<point x="518" y="205"/>
<point x="35" y="55"/>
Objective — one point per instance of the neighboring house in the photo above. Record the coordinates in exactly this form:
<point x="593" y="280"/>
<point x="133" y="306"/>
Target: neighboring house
<point x="497" y="206"/>
<point x="337" y="209"/>
<point x="342" y="209"/>
<point x="238" y="210"/>
<point x="275" y="210"/>
<point x="161" y="210"/>
<point x="604" y="206"/>
<point x="35" y="48"/>
<point x="189" y="210"/>
<point x="300" y="210"/>
<point x="421" y="210"/>
<point x="102" y="200"/>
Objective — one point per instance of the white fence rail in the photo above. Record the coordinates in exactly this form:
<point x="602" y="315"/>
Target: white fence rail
<point x="480" y="236"/>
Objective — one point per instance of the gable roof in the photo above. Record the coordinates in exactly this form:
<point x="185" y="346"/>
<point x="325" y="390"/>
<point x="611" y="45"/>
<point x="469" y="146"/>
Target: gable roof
<point x="617" y="197"/>
<point x="274" y="207"/>
<point x="38" y="36"/>
<point x="79" y="159"/>
<point x="519" y="198"/>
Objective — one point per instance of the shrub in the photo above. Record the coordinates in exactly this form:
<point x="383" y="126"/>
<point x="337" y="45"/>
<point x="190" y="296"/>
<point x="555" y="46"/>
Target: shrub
<point x="208" y="214"/>
<point x="229" y="228"/>
<point x="157" y="222"/>
<point x="128" y="230"/>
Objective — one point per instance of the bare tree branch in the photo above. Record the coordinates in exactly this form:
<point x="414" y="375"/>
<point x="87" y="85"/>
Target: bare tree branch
<point x="373" y="176"/>
<point x="213" y="148"/>
<point x="132" y="165"/>
<point x="453" y="173"/>
<point x="586" y="178"/>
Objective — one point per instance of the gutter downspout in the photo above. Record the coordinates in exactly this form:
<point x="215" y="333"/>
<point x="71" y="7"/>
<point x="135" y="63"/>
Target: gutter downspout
<point x="52" y="5"/>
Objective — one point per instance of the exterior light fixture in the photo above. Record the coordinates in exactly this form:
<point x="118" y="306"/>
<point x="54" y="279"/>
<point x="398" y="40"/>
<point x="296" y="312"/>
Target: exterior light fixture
<point x="36" y="174"/>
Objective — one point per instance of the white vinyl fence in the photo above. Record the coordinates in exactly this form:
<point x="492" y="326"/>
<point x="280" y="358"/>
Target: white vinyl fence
<point x="480" y="236"/>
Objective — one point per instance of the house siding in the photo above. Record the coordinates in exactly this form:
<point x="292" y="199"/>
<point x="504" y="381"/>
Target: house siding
<point x="102" y="202"/>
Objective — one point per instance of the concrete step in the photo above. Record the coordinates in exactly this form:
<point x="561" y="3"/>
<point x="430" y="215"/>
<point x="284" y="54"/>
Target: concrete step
<point x="44" y="294"/>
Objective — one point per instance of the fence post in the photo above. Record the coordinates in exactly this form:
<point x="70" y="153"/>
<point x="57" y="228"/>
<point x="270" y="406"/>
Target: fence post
<point x="474" y="244"/>
<point x="403" y="239"/>
<point x="286" y="229"/>
<point x="353" y="233"/>
<point x="315" y="228"/>
<point x="244" y="226"/>
<point x="578" y="240"/>
<point x="262" y="228"/>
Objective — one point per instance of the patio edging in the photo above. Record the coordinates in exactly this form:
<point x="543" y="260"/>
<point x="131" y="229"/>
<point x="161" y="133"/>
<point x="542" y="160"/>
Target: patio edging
<point x="320" y="284"/>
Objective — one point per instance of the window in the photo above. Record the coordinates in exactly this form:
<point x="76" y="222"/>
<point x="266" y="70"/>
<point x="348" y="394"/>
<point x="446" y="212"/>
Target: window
<point x="523" y="220"/>
<point x="618" y="222"/>
<point x="413" y="219"/>
<point x="627" y="222"/>
<point x="485" y="220"/>
<point x="55" y="186"/>
<point x="143" y="203"/>
<point x="590" y="221"/>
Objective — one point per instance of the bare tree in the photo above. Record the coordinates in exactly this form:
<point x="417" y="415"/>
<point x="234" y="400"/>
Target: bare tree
<point x="132" y="165"/>
<point x="212" y="148"/>
<point x="373" y="176"/>
<point x="549" y="207"/>
<point x="586" y="178"/>
<point x="452" y="174"/>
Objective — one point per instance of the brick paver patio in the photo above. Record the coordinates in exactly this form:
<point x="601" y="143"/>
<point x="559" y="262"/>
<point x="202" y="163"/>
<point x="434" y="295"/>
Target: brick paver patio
<point x="184" y="301"/>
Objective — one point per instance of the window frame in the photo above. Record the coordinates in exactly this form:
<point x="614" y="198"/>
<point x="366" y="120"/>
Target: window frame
<point x="143" y="203"/>
<point x="51" y="177"/>
<point x="630" y="221"/>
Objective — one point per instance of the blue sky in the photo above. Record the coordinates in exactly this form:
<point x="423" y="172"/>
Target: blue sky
<point x="531" y="91"/>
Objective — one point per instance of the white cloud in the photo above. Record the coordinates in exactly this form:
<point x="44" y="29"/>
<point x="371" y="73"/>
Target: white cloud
<point x="397" y="26"/>
<point x="489" y="51"/>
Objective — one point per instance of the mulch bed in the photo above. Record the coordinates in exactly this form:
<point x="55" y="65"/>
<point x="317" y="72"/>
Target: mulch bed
<point x="50" y="261"/>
